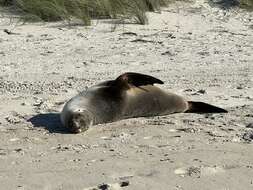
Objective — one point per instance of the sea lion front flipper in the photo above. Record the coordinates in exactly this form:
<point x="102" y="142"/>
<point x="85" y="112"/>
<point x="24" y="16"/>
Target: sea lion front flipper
<point x="136" y="79"/>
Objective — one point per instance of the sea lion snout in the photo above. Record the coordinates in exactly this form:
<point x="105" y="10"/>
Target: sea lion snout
<point x="80" y="121"/>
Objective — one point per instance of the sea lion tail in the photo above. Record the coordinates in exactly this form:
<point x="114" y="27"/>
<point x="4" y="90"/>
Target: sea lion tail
<point x="201" y="107"/>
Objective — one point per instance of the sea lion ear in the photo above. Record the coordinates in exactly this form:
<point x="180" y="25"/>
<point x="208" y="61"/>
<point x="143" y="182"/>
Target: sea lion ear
<point x="137" y="79"/>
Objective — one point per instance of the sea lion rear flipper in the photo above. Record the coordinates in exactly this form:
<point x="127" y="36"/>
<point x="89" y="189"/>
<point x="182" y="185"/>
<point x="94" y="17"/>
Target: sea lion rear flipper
<point x="201" y="107"/>
<point x="137" y="79"/>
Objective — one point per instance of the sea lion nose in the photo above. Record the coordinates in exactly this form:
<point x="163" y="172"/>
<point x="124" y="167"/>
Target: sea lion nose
<point x="80" y="122"/>
<point x="77" y="130"/>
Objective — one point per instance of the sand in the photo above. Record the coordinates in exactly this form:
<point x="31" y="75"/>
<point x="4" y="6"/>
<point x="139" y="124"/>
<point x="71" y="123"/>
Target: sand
<point x="201" y="52"/>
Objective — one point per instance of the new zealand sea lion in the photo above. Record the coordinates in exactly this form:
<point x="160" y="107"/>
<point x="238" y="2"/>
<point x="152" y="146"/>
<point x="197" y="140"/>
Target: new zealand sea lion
<point x="130" y="95"/>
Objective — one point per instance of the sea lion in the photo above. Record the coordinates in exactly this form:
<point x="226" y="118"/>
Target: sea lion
<point x="130" y="95"/>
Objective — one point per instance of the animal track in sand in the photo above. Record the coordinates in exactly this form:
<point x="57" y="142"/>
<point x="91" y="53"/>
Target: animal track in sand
<point x="14" y="118"/>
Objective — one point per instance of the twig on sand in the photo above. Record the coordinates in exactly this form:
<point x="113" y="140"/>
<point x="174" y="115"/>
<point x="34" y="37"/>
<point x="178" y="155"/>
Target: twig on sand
<point x="146" y="41"/>
<point x="10" y="32"/>
<point x="226" y="31"/>
<point x="130" y="33"/>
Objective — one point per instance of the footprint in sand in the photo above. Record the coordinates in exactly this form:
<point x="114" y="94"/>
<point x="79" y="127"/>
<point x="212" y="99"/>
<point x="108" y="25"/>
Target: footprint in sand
<point x="199" y="171"/>
<point x="14" y="118"/>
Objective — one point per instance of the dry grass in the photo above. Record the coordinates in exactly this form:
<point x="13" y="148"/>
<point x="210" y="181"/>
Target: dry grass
<point x="85" y="10"/>
<point x="247" y="4"/>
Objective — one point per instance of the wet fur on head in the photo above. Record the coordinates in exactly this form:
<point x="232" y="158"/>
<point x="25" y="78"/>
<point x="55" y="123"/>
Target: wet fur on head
<point x="80" y="122"/>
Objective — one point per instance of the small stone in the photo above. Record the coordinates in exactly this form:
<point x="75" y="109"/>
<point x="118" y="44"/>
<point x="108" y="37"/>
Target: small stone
<point x="81" y="35"/>
<point x="250" y="126"/>
<point x="2" y="152"/>
<point x="173" y="130"/>
<point x="18" y="149"/>
<point x="188" y="90"/>
<point x="37" y="92"/>
<point x="203" y="53"/>
<point x="124" y="183"/>
<point x="180" y="171"/>
<point x="38" y="103"/>
<point x="14" y="139"/>
<point x="248" y="136"/>
<point x="167" y="53"/>
<point x="103" y="187"/>
<point x="106" y="138"/>
<point x="201" y="91"/>
<point x="148" y="137"/>
<point x="76" y="160"/>
<point x="164" y="159"/>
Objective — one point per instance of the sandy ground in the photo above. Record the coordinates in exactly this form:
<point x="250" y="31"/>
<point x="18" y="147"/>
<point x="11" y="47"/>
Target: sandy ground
<point x="200" y="52"/>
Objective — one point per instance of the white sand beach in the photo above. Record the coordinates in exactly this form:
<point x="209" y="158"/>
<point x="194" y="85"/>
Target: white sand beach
<point x="201" y="52"/>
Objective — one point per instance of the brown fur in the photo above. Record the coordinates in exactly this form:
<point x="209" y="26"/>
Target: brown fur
<point x="129" y="95"/>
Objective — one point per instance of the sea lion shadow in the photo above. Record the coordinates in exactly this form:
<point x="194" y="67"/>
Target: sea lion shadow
<point x="50" y="122"/>
<point x="224" y="4"/>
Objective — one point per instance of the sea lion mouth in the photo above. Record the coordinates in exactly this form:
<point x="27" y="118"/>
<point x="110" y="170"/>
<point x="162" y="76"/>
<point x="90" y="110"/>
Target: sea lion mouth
<point x="75" y="130"/>
<point x="80" y="122"/>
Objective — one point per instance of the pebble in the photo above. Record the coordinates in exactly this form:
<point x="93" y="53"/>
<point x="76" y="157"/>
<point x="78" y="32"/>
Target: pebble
<point x="190" y="130"/>
<point x="250" y="126"/>
<point x="2" y="152"/>
<point x="76" y="160"/>
<point x="173" y="130"/>
<point x="180" y="171"/>
<point x="14" y="139"/>
<point x="148" y="137"/>
<point x="239" y="87"/>
<point x="38" y="103"/>
<point x="103" y="186"/>
<point x="201" y="91"/>
<point x="18" y="149"/>
<point x="248" y="136"/>
<point x="124" y="183"/>
<point x="167" y="53"/>
<point x="106" y="138"/>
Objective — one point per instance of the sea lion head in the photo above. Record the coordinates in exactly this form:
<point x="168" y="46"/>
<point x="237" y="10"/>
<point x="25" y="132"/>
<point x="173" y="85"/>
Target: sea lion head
<point x="80" y="121"/>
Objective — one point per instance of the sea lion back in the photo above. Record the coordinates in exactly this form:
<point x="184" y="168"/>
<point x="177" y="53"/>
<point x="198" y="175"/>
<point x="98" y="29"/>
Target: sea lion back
<point x="150" y="100"/>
